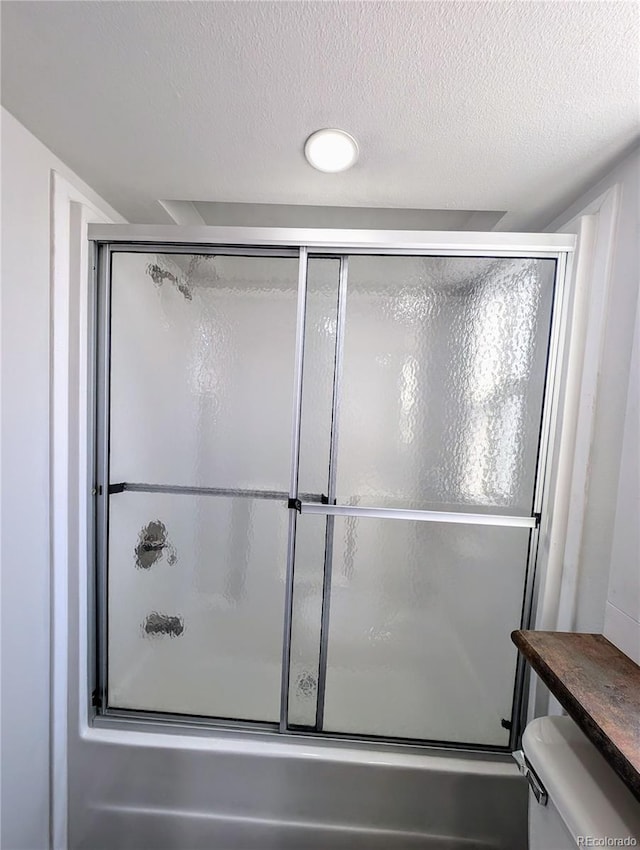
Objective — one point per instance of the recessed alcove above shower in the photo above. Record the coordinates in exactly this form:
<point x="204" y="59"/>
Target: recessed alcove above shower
<point x="228" y="214"/>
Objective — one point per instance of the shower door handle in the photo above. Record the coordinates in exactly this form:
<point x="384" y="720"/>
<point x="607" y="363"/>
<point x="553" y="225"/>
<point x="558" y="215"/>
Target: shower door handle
<point x="305" y="507"/>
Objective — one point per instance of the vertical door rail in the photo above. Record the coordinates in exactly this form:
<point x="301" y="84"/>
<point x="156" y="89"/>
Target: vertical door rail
<point x="101" y="471"/>
<point x="293" y="487"/>
<point x="331" y="491"/>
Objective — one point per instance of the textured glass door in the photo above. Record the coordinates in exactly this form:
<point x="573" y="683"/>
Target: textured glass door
<point x="443" y="378"/>
<point x="437" y="419"/>
<point x="322" y="486"/>
<point x="201" y="399"/>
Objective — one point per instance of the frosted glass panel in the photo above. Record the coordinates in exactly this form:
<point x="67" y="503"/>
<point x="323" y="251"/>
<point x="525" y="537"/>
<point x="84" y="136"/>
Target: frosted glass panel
<point x="306" y="620"/>
<point x="202" y="355"/>
<point x="421" y="615"/>
<point x="319" y="362"/>
<point x="196" y="602"/>
<point x="443" y="380"/>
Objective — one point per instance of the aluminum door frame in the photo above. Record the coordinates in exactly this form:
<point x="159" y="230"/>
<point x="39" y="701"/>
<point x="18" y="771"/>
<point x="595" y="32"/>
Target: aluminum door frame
<point x="102" y="489"/>
<point x="304" y="243"/>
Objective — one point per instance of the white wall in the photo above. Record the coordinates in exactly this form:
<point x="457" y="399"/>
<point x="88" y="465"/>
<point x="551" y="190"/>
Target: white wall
<point x="608" y="587"/>
<point x="622" y="613"/>
<point x="25" y="547"/>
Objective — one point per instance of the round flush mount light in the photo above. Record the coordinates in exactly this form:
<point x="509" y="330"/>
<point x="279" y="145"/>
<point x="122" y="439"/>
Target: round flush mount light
<point x="331" y="150"/>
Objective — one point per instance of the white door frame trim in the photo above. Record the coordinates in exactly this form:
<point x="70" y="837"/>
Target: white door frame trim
<point x="561" y="542"/>
<point x="71" y="212"/>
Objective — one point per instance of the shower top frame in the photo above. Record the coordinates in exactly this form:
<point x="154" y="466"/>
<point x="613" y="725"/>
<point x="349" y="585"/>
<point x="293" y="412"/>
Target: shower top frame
<point x="338" y="241"/>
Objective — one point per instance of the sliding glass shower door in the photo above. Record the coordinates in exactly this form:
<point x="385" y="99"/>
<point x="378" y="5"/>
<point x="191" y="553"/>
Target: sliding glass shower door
<point x="440" y="380"/>
<point x="323" y="481"/>
<point x="202" y="354"/>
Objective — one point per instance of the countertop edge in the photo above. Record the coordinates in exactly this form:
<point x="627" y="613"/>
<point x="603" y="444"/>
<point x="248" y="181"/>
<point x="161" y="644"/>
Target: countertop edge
<point x="616" y="758"/>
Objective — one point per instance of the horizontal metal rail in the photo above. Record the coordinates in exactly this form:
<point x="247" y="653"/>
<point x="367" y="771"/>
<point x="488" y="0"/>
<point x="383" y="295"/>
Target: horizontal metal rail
<point x="339" y="240"/>
<point x="203" y="250"/>
<point x="421" y="516"/>
<point x="277" y="495"/>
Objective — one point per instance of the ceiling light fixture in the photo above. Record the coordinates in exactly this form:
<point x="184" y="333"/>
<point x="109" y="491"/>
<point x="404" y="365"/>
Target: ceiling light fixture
<point x="331" y="150"/>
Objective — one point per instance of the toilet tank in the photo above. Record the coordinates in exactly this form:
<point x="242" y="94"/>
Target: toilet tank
<point x="587" y="804"/>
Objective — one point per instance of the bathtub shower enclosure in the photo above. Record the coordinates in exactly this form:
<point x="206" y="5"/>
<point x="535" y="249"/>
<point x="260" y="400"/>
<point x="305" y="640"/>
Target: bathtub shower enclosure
<point x="320" y="467"/>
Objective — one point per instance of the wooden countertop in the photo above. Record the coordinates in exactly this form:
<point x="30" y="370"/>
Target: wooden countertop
<point x="598" y="686"/>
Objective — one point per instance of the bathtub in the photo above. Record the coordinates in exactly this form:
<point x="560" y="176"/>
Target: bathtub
<point x="138" y="790"/>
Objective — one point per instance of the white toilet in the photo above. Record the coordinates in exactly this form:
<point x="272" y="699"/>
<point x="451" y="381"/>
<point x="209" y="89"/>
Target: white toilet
<point x="576" y="799"/>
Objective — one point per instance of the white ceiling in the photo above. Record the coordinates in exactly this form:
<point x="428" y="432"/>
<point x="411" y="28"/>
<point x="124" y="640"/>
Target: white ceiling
<point x="499" y="106"/>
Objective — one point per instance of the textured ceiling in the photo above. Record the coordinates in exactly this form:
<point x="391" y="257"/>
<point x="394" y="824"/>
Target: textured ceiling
<point x="473" y="106"/>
